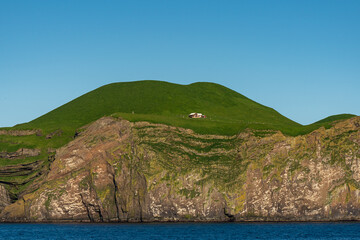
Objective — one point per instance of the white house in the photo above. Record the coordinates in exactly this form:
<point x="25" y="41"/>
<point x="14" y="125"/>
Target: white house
<point x="197" y="115"/>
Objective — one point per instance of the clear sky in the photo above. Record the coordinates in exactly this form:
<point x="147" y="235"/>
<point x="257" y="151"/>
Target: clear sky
<point x="301" y="58"/>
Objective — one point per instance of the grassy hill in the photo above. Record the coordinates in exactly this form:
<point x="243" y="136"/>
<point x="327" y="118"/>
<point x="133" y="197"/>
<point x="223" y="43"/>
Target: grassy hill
<point x="334" y="118"/>
<point x="228" y="113"/>
<point x="161" y="102"/>
<point x="326" y="122"/>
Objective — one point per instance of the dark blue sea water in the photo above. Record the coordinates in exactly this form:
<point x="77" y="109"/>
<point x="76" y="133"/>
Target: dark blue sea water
<point x="186" y="231"/>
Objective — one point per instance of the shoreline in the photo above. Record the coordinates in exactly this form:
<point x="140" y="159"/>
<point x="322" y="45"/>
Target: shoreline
<point x="176" y="222"/>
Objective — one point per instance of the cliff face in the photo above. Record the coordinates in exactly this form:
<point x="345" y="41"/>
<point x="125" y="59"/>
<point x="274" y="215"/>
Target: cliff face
<point x="4" y="198"/>
<point x="121" y="171"/>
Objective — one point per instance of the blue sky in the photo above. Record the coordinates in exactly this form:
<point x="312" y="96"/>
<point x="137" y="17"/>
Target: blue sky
<point x="301" y="58"/>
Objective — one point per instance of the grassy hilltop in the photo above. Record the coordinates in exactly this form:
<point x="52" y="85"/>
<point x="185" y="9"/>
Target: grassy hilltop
<point x="228" y="113"/>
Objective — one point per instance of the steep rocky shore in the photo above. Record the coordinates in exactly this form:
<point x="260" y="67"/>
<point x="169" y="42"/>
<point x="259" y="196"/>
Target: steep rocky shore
<point x="4" y="198"/>
<point x="115" y="171"/>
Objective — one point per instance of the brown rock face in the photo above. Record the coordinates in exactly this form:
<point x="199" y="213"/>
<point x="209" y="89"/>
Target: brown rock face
<point x="120" y="171"/>
<point x="4" y="198"/>
<point x="21" y="153"/>
<point x="20" y="132"/>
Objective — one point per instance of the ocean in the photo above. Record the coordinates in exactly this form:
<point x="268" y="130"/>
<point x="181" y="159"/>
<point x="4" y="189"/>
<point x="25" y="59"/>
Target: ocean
<point x="160" y="231"/>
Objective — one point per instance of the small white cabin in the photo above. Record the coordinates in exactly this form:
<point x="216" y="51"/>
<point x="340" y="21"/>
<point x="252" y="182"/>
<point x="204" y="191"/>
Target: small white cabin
<point x="197" y="115"/>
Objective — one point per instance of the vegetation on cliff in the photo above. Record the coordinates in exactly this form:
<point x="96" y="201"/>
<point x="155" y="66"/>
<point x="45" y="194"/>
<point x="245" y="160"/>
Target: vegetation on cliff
<point x="116" y="170"/>
<point x="229" y="114"/>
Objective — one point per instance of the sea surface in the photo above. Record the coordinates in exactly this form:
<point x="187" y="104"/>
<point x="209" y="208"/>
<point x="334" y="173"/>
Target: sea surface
<point x="186" y="231"/>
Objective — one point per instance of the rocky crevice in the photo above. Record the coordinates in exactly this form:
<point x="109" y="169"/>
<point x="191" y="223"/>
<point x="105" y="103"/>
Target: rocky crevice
<point x="229" y="215"/>
<point x="116" y="193"/>
<point x="87" y="208"/>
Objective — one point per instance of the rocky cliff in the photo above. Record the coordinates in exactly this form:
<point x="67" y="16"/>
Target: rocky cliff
<point x="4" y="198"/>
<point x="115" y="170"/>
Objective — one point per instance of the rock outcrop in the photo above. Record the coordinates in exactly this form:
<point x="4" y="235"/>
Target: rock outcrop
<point x="20" y="153"/>
<point x="4" y="198"/>
<point x="21" y="132"/>
<point x="58" y="132"/>
<point x="116" y="171"/>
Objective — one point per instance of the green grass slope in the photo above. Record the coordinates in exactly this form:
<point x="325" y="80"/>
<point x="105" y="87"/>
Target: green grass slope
<point x="154" y="101"/>
<point x="228" y="111"/>
<point x="334" y="118"/>
<point x="327" y="122"/>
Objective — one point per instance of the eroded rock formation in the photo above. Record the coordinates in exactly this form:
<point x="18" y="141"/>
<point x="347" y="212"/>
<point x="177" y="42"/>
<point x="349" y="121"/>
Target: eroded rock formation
<point x="21" y="153"/>
<point x="115" y="170"/>
<point x="4" y="198"/>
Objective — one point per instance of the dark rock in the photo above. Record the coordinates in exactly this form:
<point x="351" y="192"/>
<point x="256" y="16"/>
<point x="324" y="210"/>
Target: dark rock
<point x="58" y="132"/>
